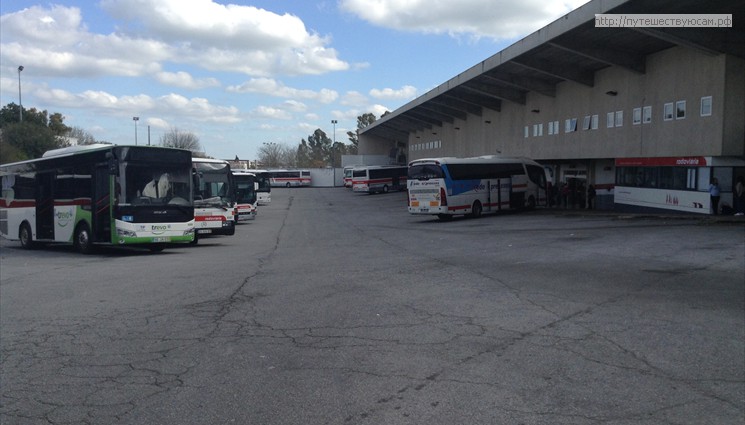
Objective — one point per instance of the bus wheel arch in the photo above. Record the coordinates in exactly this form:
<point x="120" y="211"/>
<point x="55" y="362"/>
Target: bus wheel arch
<point x="385" y="188"/>
<point x="476" y="209"/>
<point x="531" y="202"/>
<point x="82" y="238"/>
<point x="288" y="185"/>
<point x="26" y="236"/>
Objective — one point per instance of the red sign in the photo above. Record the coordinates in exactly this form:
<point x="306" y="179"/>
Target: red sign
<point x="670" y="161"/>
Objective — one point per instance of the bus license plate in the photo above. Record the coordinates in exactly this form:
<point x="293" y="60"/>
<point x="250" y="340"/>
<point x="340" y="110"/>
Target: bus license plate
<point x="424" y="210"/>
<point x="162" y="239"/>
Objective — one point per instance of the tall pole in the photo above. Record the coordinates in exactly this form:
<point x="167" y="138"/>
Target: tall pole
<point x="333" y="149"/>
<point x="20" y="103"/>
<point x="334" y="122"/>
<point x="135" y="119"/>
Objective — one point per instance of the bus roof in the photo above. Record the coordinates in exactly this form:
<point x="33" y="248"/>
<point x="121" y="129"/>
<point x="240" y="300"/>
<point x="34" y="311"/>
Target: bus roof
<point x="485" y="159"/>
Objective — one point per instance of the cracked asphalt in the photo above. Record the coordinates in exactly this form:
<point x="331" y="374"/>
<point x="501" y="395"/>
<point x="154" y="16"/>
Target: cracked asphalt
<point x="339" y="308"/>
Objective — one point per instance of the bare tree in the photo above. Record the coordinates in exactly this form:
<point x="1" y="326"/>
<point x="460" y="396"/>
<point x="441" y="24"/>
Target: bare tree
<point x="82" y="136"/>
<point x="176" y="138"/>
<point x="273" y="155"/>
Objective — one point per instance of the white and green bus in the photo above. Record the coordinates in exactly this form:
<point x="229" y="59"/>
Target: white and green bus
<point x="99" y="194"/>
<point x="470" y="186"/>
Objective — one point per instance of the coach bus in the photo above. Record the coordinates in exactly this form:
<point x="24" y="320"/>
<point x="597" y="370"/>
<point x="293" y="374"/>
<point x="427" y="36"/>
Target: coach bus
<point x="289" y="178"/>
<point x="264" y="191"/>
<point x="348" y="177"/>
<point x="245" y="194"/>
<point x="379" y="178"/>
<point x="469" y="186"/>
<point x="99" y="195"/>
<point x="214" y="198"/>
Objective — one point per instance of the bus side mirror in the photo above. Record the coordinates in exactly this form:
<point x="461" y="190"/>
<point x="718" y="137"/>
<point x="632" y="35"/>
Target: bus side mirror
<point x="113" y="164"/>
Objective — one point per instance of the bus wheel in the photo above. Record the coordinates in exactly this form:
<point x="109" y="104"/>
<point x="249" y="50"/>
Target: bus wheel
<point x="196" y="239"/>
<point x="82" y="239"/>
<point x="24" y="234"/>
<point x="385" y="189"/>
<point x="476" y="209"/>
<point x="287" y="185"/>
<point x="531" y="203"/>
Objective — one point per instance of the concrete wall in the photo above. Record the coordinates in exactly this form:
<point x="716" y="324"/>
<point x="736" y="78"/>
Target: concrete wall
<point x="671" y="75"/>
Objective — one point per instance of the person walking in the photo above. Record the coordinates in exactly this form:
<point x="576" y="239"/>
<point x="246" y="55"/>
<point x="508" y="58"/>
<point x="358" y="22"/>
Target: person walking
<point x="714" y="194"/>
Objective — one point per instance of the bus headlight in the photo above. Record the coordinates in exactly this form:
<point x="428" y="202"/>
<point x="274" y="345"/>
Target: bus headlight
<point x="125" y="233"/>
<point x="189" y="232"/>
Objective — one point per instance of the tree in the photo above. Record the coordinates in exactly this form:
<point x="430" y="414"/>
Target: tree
<point x="275" y="155"/>
<point x="176" y="138"/>
<point x="82" y="136"/>
<point x="319" y="150"/>
<point x="363" y="121"/>
<point x="30" y="138"/>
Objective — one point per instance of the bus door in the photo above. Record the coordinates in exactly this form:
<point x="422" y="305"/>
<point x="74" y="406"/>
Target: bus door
<point x="102" y="205"/>
<point x="45" y="206"/>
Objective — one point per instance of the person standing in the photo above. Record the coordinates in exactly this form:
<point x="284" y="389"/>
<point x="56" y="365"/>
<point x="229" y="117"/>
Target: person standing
<point x="714" y="194"/>
<point x="591" y="197"/>
<point x="740" y="196"/>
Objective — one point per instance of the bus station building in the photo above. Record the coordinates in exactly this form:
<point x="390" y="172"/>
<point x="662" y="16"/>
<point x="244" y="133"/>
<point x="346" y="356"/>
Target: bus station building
<point x="647" y="115"/>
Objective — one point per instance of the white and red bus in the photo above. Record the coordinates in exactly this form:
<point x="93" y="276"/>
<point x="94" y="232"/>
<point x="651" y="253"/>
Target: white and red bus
<point x="469" y="186"/>
<point x="245" y="194"/>
<point x="264" y="191"/>
<point x="379" y="178"/>
<point x="214" y="198"/>
<point x="289" y="178"/>
<point x="348" y="177"/>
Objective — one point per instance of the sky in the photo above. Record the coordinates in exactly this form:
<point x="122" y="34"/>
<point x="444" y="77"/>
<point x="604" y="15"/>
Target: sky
<point x="241" y="73"/>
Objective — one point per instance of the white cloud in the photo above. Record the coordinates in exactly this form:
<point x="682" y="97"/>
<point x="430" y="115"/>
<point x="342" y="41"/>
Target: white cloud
<point x="269" y="112"/>
<point x="495" y="19"/>
<point x="271" y="87"/>
<point x="404" y="93"/>
<point x="185" y="80"/>
<point x="57" y="41"/>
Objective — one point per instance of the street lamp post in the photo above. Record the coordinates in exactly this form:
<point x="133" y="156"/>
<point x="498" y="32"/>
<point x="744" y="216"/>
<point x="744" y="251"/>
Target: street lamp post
<point x="135" y="119"/>
<point x="334" y="122"/>
<point x="20" y="103"/>
<point x="334" y="145"/>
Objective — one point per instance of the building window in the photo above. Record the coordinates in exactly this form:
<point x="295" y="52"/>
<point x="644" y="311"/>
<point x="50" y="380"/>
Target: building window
<point x="680" y="110"/>
<point x="610" y="120"/>
<point x="594" y="122"/>
<point x="668" y="113"/>
<point x="637" y="116"/>
<point x="586" y="122"/>
<point x="556" y="127"/>
<point x="706" y="106"/>
<point x="619" y="118"/>
<point x="527" y="132"/>
<point x="647" y="115"/>
<point x="540" y="129"/>
<point x="570" y="125"/>
<point x="550" y="128"/>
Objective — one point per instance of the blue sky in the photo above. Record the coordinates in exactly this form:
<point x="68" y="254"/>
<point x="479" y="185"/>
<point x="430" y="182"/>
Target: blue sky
<point x="241" y="73"/>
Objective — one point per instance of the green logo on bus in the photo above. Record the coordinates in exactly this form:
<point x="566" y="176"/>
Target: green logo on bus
<point x="64" y="217"/>
<point x="159" y="228"/>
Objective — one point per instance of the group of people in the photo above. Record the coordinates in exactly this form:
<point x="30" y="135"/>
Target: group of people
<point x="738" y="197"/>
<point x="574" y="196"/>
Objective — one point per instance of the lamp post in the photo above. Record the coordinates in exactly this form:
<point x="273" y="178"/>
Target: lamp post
<point x="135" y="119"/>
<point x="20" y="103"/>
<point x="333" y="149"/>
<point x="334" y="122"/>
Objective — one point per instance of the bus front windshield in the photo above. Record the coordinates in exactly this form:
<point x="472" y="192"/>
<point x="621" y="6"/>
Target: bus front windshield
<point x="215" y="186"/>
<point x="154" y="184"/>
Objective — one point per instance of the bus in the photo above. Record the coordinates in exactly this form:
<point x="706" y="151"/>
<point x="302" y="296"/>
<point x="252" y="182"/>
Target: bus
<point x="264" y="191"/>
<point x="469" y="186"/>
<point x="348" y="177"/>
<point x="289" y="178"/>
<point x="379" y="178"/>
<point x="214" y="198"/>
<point x="245" y="194"/>
<point x="99" y="195"/>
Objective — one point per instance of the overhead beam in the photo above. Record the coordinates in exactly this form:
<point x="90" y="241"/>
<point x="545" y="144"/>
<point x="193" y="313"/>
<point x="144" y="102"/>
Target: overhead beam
<point x="485" y="85"/>
<point x="613" y="57"/>
<point x="523" y="82"/>
<point x="440" y="117"/>
<point x="424" y="119"/>
<point x="554" y="69"/>
<point x="454" y="102"/>
<point x="477" y="98"/>
<point x="685" y="41"/>
<point x="444" y="109"/>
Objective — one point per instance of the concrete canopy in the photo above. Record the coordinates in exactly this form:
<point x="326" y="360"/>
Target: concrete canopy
<point x="571" y="48"/>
